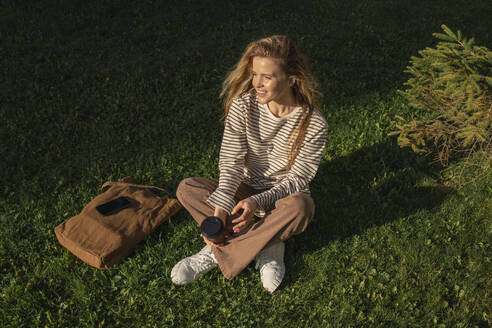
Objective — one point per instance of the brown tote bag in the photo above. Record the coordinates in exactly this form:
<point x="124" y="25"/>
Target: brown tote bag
<point x="104" y="240"/>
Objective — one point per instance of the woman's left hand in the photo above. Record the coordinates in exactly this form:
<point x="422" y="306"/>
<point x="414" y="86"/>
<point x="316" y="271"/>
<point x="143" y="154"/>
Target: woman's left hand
<point x="249" y="207"/>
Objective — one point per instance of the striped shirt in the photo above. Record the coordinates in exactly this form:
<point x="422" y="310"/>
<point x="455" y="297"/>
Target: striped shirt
<point x="254" y="151"/>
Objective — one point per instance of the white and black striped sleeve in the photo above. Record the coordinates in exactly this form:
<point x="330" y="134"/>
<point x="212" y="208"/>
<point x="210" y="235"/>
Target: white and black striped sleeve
<point x="302" y="171"/>
<point x="231" y="158"/>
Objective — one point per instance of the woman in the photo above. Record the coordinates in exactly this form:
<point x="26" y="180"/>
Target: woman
<point x="271" y="148"/>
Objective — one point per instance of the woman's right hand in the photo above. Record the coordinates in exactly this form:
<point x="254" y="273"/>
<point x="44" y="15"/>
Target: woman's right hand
<point x="209" y="242"/>
<point x="222" y="214"/>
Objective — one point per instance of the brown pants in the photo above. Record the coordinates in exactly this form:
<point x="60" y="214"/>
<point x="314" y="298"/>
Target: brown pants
<point x="290" y="216"/>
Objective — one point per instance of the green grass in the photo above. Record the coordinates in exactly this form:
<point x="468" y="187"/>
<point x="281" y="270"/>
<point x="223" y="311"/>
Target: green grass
<point x="92" y="91"/>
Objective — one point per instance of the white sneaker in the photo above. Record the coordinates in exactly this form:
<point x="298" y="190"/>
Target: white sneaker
<point x="189" y="269"/>
<point x="270" y="261"/>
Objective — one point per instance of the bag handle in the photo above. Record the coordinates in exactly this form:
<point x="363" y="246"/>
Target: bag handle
<point x="119" y="183"/>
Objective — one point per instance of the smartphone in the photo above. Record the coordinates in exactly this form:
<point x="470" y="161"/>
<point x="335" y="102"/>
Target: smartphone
<point x="113" y="206"/>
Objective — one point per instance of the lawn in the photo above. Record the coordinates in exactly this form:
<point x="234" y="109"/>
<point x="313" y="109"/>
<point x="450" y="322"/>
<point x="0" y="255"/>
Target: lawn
<point x="92" y="91"/>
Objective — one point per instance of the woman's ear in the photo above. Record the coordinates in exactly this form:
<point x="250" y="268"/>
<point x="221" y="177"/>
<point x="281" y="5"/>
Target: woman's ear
<point x="292" y="81"/>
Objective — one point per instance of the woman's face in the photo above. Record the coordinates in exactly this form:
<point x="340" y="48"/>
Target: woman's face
<point x="270" y="81"/>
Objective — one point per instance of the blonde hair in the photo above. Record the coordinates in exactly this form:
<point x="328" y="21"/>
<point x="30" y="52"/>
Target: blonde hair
<point x="294" y="63"/>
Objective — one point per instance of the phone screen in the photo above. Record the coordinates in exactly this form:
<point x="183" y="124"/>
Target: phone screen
<point x="113" y="206"/>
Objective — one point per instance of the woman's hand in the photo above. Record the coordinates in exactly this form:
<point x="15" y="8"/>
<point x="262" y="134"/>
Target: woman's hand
<point x="221" y="213"/>
<point x="249" y="207"/>
<point x="211" y="243"/>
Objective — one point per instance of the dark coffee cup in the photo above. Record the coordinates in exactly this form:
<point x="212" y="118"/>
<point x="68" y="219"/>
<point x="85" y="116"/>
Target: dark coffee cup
<point x="213" y="229"/>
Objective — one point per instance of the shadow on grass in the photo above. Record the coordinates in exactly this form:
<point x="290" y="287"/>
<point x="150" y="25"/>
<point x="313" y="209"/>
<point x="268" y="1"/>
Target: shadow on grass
<point x="370" y="187"/>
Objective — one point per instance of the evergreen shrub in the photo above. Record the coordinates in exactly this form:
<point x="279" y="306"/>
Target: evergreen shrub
<point x="452" y="83"/>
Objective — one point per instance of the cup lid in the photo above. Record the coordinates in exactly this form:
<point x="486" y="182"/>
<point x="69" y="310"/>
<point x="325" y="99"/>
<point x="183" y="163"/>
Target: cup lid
<point x="211" y="226"/>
